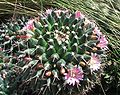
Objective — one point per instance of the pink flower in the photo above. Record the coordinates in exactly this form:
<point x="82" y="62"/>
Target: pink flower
<point x="48" y="11"/>
<point x="58" y="12"/>
<point x="87" y="22"/>
<point x="78" y="14"/>
<point x="97" y="31"/>
<point x="94" y="62"/>
<point x="29" y="26"/>
<point x="103" y="42"/>
<point x="73" y="76"/>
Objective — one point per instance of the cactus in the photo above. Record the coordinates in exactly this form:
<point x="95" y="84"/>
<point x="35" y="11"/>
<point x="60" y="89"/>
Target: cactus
<point x="59" y="52"/>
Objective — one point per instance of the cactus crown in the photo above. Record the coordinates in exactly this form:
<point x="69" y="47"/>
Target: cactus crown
<point x="59" y="51"/>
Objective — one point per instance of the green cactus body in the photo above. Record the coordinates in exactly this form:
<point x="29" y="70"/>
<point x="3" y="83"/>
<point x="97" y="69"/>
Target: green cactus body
<point x="56" y="53"/>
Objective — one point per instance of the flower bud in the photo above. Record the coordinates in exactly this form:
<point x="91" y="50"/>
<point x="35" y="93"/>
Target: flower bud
<point x="94" y="49"/>
<point x="39" y="66"/>
<point x="94" y="37"/>
<point x="48" y="73"/>
<point x="82" y="63"/>
<point x="62" y="71"/>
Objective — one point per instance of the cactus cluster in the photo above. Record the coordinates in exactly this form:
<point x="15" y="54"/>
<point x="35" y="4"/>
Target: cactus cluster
<point x="59" y="52"/>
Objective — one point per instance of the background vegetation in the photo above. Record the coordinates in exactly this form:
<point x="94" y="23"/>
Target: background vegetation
<point x="106" y="13"/>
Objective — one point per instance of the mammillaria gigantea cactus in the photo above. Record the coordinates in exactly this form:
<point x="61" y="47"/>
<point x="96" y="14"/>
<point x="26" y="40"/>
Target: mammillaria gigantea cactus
<point x="57" y="53"/>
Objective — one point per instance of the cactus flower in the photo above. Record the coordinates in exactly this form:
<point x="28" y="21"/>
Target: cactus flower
<point x="97" y="31"/>
<point x="103" y="42"/>
<point x="78" y="14"/>
<point x="74" y="76"/>
<point x="58" y="12"/>
<point x="48" y="11"/>
<point x="94" y="62"/>
<point x="29" y="26"/>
